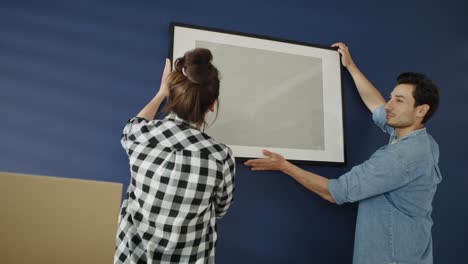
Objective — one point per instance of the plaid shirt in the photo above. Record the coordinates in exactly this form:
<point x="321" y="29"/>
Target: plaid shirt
<point x="181" y="181"/>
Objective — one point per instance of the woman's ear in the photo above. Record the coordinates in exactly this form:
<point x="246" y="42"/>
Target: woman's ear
<point x="212" y="106"/>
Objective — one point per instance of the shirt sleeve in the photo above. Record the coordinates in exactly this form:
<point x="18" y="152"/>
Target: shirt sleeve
<point x="225" y="192"/>
<point x="135" y="131"/>
<point x="383" y="172"/>
<point x="380" y="119"/>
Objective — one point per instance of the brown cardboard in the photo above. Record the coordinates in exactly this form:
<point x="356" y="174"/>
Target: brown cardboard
<point x="57" y="220"/>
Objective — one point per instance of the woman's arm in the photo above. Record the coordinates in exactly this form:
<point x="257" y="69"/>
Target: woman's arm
<point x="149" y="111"/>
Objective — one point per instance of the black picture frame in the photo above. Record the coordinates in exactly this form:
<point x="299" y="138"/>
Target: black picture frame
<point x="227" y="44"/>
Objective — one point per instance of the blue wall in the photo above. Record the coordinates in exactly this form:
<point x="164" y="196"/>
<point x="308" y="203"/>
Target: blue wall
<point x="72" y="73"/>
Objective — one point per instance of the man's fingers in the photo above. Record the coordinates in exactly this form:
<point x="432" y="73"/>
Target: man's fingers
<point x="257" y="168"/>
<point x="254" y="162"/>
<point x="267" y="153"/>
<point x="337" y="44"/>
<point x="340" y="45"/>
<point x="249" y="162"/>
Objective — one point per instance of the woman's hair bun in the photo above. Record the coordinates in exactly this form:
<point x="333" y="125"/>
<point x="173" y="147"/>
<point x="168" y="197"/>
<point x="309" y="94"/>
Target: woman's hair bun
<point x="198" y="56"/>
<point x="198" y="67"/>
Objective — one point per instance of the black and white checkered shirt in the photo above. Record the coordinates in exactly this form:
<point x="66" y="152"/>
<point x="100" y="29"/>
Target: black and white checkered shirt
<point x="181" y="181"/>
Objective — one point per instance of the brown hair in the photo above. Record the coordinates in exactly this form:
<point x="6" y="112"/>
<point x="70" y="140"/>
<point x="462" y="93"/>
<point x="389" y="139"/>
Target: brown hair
<point x="193" y="86"/>
<point x="425" y="91"/>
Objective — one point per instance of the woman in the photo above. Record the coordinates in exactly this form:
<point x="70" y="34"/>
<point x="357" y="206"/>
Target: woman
<point x="182" y="179"/>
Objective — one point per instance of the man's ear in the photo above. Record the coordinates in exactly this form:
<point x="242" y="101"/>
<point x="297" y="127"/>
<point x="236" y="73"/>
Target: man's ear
<point x="422" y="110"/>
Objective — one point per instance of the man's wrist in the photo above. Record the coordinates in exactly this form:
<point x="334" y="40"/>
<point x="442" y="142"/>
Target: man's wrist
<point x="351" y="67"/>
<point x="286" y="167"/>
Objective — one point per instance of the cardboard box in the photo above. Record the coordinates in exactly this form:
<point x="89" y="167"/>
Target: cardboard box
<point x="57" y="220"/>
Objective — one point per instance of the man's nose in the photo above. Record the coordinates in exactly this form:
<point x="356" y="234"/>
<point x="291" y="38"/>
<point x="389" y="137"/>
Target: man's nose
<point x="387" y="106"/>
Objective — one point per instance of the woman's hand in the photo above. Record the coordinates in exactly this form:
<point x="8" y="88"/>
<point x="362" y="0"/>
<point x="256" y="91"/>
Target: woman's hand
<point x="164" y="88"/>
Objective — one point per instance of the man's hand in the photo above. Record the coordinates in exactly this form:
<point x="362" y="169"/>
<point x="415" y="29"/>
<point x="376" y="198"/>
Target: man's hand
<point x="311" y="181"/>
<point x="273" y="161"/>
<point x="164" y="88"/>
<point x="346" y="59"/>
<point x="369" y="94"/>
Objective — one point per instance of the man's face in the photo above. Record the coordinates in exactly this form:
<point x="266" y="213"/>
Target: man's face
<point x="401" y="112"/>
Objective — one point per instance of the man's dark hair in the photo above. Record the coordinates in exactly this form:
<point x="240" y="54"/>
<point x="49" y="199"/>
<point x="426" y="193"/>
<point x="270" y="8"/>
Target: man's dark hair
<point x="425" y="91"/>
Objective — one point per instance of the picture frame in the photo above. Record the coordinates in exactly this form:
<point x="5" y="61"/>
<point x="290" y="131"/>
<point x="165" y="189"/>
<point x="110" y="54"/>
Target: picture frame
<point x="281" y="95"/>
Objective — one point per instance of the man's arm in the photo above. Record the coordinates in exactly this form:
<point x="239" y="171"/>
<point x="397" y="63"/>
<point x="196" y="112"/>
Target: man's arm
<point x="311" y="181"/>
<point x="369" y="94"/>
<point x="149" y="111"/>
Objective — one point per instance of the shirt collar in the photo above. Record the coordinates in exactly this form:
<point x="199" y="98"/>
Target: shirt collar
<point x="172" y="116"/>
<point x="411" y="134"/>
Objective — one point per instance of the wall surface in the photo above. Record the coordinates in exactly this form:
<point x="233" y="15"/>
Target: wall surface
<point x="73" y="72"/>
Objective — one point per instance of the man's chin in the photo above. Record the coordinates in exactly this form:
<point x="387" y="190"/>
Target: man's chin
<point x="390" y="124"/>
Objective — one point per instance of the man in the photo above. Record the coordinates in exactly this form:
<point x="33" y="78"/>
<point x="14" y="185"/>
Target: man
<point x="396" y="185"/>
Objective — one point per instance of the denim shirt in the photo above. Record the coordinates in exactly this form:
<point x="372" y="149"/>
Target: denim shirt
<point x="395" y="188"/>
